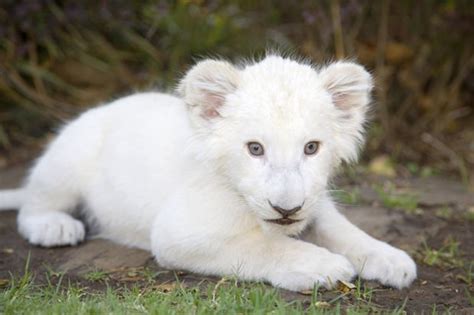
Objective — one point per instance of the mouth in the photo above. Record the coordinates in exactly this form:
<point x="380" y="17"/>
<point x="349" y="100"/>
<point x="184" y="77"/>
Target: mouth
<point x="282" y="221"/>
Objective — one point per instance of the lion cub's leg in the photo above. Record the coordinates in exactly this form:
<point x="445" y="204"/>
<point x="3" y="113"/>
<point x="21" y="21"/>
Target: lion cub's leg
<point x="252" y="255"/>
<point x="54" y="187"/>
<point x="373" y="259"/>
<point x="45" y="219"/>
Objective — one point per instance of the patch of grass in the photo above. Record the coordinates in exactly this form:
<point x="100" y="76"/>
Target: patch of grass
<point x="392" y="199"/>
<point x="149" y="275"/>
<point x="225" y="297"/>
<point x="468" y="277"/>
<point x="362" y="293"/>
<point x="347" y="197"/>
<point x="96" y="275"/>
<point x="448" y="256"/>
<point x="52" y="273"/>
<point x="469" y="215"/>
<point x="444" y="212"/>
<point x="470" y="297"/>
<point x="417" y="170"/>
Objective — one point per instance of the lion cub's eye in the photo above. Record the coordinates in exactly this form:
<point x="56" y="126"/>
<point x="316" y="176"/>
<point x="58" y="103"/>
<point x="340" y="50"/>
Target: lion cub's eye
<point x="255" y="148"/>
<point x="311" y="147"/>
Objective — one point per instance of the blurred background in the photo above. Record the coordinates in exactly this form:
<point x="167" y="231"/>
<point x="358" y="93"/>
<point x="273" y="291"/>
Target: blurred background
<point x="59" y="57"/>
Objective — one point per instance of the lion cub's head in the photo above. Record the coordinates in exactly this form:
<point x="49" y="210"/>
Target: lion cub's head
<point x="277" y="129"/>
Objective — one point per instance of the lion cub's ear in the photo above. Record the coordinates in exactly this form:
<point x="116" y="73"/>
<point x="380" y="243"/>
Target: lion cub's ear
<point x="349" y="85"/>
<point x="205" y="87"/>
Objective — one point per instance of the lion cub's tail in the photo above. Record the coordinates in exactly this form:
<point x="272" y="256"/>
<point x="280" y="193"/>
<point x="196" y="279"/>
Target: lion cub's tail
<point x="11" y="199"/>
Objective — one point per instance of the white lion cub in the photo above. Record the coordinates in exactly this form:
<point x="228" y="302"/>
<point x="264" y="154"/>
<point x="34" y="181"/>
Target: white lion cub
<point x="220" y="180"/>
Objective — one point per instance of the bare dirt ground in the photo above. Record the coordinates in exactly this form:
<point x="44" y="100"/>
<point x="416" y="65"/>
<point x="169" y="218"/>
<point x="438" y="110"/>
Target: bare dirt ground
<point x="432" y="218"/>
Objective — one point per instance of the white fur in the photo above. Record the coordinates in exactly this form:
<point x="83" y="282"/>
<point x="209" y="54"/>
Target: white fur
<point x="11" y="199"/>
<point x="174" y="176"/>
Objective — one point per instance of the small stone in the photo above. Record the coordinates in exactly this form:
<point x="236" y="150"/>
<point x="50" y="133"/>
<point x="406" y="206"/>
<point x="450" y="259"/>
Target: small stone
<point x="8" y="251"/>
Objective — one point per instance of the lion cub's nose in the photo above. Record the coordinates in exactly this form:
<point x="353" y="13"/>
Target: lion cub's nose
<point x="285" y="212"/>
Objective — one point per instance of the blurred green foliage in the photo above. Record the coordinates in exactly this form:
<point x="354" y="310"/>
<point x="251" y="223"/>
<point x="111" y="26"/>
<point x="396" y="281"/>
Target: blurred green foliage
<point x="59" y="57"/>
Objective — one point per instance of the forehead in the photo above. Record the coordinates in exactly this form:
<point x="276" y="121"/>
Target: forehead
<point x="281" y="97"/>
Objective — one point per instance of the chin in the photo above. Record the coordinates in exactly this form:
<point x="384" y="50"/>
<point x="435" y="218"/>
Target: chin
<point x="292" y="229"/>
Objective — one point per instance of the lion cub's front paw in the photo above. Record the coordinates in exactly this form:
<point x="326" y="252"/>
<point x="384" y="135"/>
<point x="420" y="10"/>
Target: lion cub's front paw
<point x="51" y="229"/>
<point x="389" y="265"/>
<point x="307" y="269"/>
